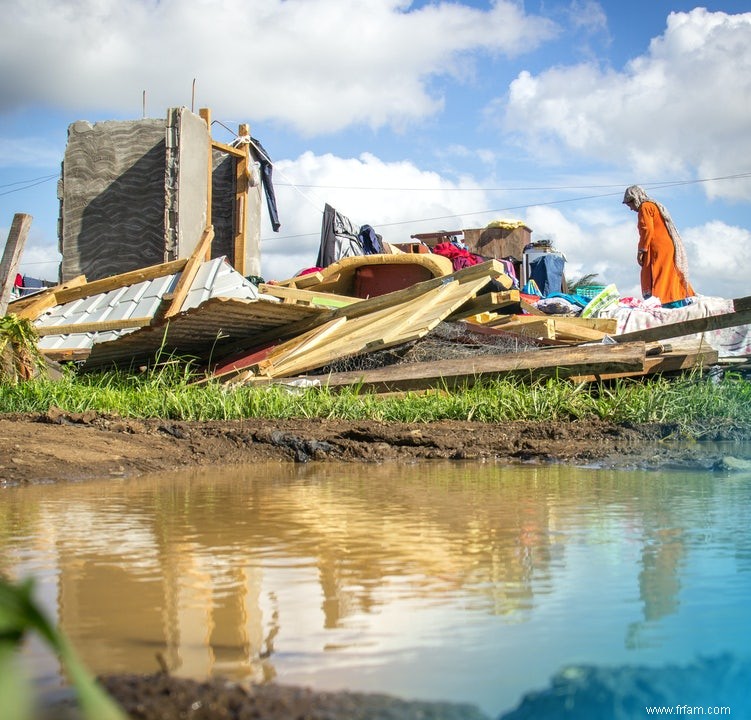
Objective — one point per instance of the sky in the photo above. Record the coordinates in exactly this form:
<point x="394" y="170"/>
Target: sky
<point x="413" y="117"/>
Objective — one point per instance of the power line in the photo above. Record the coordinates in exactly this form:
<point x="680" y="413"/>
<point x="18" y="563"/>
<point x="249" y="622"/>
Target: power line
<point x="28" y="184"/>
<point x="660" y="184"/>
<point x="667" y="183"/>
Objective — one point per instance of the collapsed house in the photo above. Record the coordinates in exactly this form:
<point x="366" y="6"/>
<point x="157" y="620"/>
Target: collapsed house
<point x="160" y="240"/>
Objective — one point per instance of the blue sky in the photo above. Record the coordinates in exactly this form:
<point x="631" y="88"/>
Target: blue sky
<point x="414" y="116"/>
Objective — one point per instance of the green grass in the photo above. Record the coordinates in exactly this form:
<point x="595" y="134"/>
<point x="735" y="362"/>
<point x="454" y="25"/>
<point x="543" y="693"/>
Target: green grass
<point x="692" y="402"/>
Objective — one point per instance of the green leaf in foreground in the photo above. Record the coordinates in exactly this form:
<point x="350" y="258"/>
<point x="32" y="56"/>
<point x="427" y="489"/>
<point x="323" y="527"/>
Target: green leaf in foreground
<point x="19" y="614"/>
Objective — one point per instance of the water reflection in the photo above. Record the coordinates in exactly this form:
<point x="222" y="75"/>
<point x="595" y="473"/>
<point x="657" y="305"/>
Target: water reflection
<point x="348" y="576"/>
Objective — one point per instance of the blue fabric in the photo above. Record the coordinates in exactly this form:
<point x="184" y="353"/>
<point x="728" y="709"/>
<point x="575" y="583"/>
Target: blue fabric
<point x="547" y="271"/>
<point x="370" y="240"/>
<point x="676" y="304"/>
<point x="574" y="299"/>
<point x="268" y="185"/>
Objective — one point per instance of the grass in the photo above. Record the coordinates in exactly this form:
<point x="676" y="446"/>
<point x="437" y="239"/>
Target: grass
<point x="693" y="402"/>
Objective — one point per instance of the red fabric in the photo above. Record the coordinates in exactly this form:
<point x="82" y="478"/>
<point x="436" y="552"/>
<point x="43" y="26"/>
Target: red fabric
<point x="459" y="258"/>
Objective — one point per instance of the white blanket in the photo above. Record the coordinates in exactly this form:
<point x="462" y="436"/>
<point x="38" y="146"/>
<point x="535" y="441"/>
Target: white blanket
<point x="633" y="315"/>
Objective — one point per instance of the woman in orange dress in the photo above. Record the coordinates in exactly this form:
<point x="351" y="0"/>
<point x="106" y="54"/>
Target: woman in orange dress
<point x="661" y="255"/>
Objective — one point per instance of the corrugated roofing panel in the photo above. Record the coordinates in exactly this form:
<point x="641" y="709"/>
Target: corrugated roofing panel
<point x="201" y="331"/>
<point x="195" y="327"/>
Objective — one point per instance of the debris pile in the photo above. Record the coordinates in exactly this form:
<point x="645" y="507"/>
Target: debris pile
<point x="453" y="328"/>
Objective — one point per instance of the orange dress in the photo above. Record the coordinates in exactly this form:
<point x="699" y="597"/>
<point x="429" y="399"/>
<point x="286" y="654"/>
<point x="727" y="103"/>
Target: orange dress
<point x="659" y="275"/>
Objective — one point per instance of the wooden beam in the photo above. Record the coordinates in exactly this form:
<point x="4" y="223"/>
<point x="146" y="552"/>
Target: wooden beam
<point x="486" y="303"/>
<point x="242" y="188"/>
<point x="307" y="297"/>
<point x="559" y="362"/>
<point x="117" y="281"/>
<point x="177" y="297"/>
<point x="47" y="299"/>
<point x="303" y="281"/>
<point x="674" y="361"/>
<point x="92" y="327"/>
<point x="19" y="231"/>
<point x="740" y="316"/>
<point x="229" y="149"/>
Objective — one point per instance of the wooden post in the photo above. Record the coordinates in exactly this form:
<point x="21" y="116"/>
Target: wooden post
<point x="14" y="246"/>
<point x="241" y="202"/>
<point x="205" y="113"/>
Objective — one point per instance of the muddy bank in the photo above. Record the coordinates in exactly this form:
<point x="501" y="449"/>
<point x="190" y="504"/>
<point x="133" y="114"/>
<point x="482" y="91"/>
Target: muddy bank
<point x="58" y="446"/>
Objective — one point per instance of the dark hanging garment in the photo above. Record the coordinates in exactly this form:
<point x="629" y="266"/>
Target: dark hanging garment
<point x="339" y="238"/>
<point x="268" y="185"/>
<point x="547" y="271"/>
<point x="372" y="243"/>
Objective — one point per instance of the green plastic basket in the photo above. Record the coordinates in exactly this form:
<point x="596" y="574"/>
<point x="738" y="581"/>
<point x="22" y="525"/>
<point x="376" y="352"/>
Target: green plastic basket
<point x="590" y="291"/>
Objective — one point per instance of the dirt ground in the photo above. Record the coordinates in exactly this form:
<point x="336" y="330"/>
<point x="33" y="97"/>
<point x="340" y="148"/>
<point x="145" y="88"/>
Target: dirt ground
<point x="59" y="447"/>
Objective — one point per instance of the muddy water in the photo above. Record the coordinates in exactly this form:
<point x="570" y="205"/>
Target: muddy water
<point x="459" y="582"/>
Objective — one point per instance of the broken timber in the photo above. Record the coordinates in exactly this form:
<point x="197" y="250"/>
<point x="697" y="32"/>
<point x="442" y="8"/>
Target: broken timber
<point x="486" y="271"/>
<point x="741" y="315"/>
<point x="464" y="372"/>
<point x="14" y="246"/>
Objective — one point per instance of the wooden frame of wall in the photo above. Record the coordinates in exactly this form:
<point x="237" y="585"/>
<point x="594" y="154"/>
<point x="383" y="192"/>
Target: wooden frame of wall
<point x="242" y="171"/>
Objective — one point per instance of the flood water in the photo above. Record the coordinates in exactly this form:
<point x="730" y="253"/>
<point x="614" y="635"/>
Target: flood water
<point x="445" y="581"/>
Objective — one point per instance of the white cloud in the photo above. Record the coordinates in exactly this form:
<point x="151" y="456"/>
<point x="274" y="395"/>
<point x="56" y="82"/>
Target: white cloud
<point x="317" y="65"/>
<point x="680" y="109"/>
<point x="397" y="198"/>
<point x="719" y="259"/>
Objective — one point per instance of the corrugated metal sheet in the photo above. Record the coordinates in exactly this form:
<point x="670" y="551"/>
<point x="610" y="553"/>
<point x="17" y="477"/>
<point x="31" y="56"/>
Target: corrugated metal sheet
<point x="202" y="332"/>
<point x="221" y="303"/>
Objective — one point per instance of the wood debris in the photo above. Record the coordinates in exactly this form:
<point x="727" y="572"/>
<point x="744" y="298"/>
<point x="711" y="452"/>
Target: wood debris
<point x="306" y="324"/>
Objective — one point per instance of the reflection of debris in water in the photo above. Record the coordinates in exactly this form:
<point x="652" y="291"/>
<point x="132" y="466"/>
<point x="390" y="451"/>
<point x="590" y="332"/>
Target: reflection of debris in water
<point x="448" y="341"/>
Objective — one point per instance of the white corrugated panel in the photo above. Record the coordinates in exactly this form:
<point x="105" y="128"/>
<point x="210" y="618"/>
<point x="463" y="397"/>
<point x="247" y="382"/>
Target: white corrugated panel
<point x="215" y="278"/>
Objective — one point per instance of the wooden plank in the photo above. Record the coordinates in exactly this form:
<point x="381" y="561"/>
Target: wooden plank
<point x="674" y="361"/>
<point x="177" y="298"/>
<point x="691" y="327"/>
<point x="229" y="149"/>
<point x="386" y="327"/>
<point x="560" y="362"/>
<point x="486" y="303"/>
<point x="48" y="299"/>
<point x="92" y="327"/>
<point x="242" y="187"/>
<point x="68" y="294"/>
<point x="306" y="297"/>
<point x="531" y="326"/>
<point x="302" y="281"/>
<point x="570" y="329"/>
<point x="66" y="355"/>
<point x="14" y="245"/>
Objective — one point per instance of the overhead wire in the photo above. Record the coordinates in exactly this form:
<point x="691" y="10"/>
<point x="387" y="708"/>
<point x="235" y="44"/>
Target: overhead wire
<point x="657" y="184"/>
<point x="28" y="184"/>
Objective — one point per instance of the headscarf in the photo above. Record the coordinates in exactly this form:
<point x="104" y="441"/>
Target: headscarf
<point x="638" y="195"/>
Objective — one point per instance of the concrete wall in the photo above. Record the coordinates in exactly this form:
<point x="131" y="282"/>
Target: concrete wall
<point x="112" y="198"/>
<point x="135" y="193"/>
<point x="186" y="182"/>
